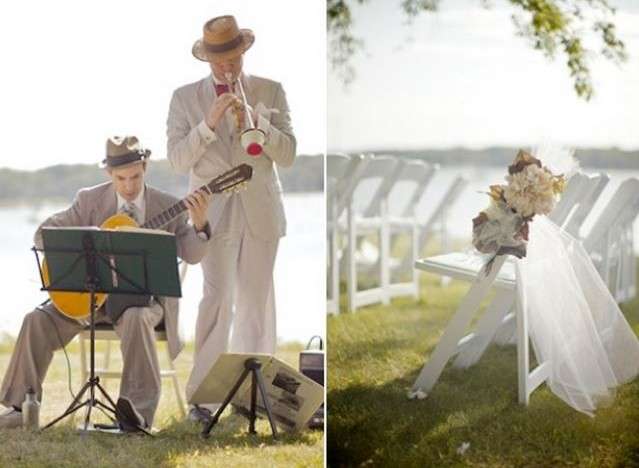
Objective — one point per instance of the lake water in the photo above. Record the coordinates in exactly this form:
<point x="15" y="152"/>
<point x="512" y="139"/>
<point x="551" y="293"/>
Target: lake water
<point x="299" y="270"/>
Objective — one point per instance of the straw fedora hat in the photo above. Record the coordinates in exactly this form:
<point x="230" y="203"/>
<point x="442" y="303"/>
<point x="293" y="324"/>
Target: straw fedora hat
<point x="124" y="151"/>
<point x="222" y="39"/>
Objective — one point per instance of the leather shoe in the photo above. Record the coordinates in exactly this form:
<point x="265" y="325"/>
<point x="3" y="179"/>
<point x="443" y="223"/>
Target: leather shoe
<point x="10" y="419"/>
<point x="128" y="417"/>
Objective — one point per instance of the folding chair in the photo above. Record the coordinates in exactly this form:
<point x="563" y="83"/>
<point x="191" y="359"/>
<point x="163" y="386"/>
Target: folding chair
<point x="437" y="218"/>
<point x="610" y="241"/>
<point x="342" y="175"/>
<point x="366" y="214"/>
<point x="105" y="332"/>
<point x="402" y="219"/>
<point x="453" y="342"/>
<point x="495" y="323"/>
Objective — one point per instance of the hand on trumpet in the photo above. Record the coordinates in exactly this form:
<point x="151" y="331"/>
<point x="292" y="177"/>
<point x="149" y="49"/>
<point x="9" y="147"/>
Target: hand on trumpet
<point x="239" y="111"/>
<point x="219" y="107"/>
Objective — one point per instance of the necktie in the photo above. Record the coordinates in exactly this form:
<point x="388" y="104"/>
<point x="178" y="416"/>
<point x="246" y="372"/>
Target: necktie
<point x="131" y="210"/>
<point x="221" y="89"/>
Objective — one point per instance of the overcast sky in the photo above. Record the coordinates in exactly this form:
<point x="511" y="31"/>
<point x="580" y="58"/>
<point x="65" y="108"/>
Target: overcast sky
<point x="75" y="72"/>
<point x="461" y="77"/>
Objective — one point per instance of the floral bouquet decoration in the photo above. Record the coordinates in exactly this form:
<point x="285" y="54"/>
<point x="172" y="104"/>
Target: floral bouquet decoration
<point x="531" y="189"/>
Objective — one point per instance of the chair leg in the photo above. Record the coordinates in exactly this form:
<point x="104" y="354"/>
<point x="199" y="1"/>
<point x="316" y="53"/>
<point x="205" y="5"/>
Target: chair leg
<point x="107" y="360"/>
<point x="384" y="256"/>
<point x="455" y="329"/>
<point x="523" y="356"/>
<point x="335" y="266"/>
<point x="351" y="278"/>
<point x="414" y="254"/>
<point x="176" y="384"/>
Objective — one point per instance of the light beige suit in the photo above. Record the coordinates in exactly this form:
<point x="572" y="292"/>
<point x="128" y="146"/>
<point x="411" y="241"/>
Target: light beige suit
<point x="246" y="227"/>
<point x="38" y="338"/>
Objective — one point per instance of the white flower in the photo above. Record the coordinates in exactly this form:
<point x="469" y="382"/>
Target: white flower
<point x="530" y="191"/>
<point x="416" y="394"/>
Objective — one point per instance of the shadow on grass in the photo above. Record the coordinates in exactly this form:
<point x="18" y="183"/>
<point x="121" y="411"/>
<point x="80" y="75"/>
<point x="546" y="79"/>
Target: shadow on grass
<point x="180" y="443"/>
<point x="378" y="425"/>
<point x="376" y="354"/>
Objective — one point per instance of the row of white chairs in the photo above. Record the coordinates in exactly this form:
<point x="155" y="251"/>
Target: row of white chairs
<point x="358" y="208"/>
<point x="379" y="196"/>
<point x="610" y="241"/>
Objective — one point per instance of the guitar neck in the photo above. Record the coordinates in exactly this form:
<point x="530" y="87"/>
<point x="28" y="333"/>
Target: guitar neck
<point x="173" y="211"/>
<point x="223" y="183"/>
<point x="166" y="216"/>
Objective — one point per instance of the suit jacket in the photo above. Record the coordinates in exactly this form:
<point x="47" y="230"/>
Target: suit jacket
<point x="93" y="205"/>
<point x="195" y="149"/>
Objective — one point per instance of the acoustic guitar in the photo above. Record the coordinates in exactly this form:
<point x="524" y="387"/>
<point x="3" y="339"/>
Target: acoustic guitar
<point x="77" y="305"/>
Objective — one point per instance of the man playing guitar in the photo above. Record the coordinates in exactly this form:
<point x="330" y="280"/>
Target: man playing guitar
<point x="47" y="328"/>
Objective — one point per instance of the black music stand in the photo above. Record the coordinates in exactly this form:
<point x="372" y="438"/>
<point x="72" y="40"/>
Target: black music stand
<point x="253" y="367"/>
<point x="91" y="260"/>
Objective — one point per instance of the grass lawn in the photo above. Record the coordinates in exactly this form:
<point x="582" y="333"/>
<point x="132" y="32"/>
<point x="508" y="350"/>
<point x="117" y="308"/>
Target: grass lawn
<point x="375" y="354"/>
<point x="176" y="444"/>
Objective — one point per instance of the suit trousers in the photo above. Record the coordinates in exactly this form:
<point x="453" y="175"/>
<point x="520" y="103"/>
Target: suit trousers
<point x="238" y="302"/>
<point x="45" y="330"/>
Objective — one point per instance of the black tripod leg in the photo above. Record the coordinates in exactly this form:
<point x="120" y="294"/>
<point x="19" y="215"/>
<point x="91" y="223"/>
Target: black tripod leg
<point x="267" y="403"/>
<point x="253" y="416"/>
<point x="68" y="412"/>
<point x="91" y="402"/>
<point x="106" y="395"/>
<point x="207" y="429"/>
<point x="73" y="407"/>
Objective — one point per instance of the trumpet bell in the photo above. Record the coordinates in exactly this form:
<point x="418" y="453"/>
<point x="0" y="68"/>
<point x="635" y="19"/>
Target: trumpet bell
<point x="252" y="140"/>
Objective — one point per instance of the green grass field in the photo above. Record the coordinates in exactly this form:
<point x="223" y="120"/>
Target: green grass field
<point x="375" y="354"/>
<point x="177" y="442"/>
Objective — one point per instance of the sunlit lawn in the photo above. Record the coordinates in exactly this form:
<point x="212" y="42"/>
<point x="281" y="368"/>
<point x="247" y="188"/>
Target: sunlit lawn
<point x="375" y="354"/>
<point x="177" y="442"/>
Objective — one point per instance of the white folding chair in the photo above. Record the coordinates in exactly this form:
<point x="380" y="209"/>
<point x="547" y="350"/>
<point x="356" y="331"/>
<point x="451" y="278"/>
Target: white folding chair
<point x="105" y="332"/>
<point x="577" y="201"/>
<point x="342" y="175"/>
<point x="453" y="342"/>
<point x="496" y="321"/>
<point x="402" y="219"/>
<point x="436" y="218"/>
<point x="366" y="214"/>
<point x="610" y="241"/>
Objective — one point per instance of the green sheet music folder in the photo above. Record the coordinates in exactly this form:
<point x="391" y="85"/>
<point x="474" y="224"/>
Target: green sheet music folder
<point x="145" y="259"/>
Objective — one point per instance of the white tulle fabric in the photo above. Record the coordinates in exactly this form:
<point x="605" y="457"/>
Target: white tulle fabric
<point x="574" y="322"/>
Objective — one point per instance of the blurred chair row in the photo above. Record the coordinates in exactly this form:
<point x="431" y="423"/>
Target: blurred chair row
<point x="381" y="198"/>
<point x="610" y="239"/>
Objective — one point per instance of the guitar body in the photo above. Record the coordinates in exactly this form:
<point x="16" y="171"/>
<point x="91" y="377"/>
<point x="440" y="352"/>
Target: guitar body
<point x="78" y="305"/>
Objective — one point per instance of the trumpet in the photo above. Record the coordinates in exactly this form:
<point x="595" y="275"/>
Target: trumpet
<point x="252" y="138"/>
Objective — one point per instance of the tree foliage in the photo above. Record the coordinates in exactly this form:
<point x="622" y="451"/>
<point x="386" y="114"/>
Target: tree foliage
<point x="554" y="27"/>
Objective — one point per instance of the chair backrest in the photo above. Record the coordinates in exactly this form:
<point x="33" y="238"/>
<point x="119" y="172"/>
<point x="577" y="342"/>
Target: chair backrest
<point x="595" y="186"/>
<point x="409" y="187"/>
<point x="342" y="176"/>
<point x="622" y="209"/>
<point x="577" y="201"/>
<point x="374" y="183"/>
<point x="336" y="166"/>
<point x="450" y="196"/>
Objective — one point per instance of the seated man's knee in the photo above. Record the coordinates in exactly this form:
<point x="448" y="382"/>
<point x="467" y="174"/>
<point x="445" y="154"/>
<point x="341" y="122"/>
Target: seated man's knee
<point x="138" y="317"/>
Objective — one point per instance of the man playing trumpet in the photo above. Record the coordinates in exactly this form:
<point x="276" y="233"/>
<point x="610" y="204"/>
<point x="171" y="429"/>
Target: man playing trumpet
<point x="205" y="123"/>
